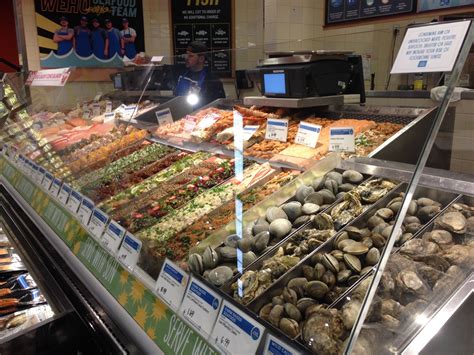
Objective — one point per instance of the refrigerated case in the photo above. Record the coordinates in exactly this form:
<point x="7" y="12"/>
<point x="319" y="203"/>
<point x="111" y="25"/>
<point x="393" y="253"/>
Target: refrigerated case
<point x="170" y="239"/>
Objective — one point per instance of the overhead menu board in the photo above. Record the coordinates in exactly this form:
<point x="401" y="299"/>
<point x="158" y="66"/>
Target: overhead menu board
<point x="429" y="5"/>
<point x="351" y="10"/>
<point x="206" y="21"/>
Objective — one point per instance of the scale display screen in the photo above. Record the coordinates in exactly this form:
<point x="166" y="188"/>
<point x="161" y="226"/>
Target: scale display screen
<point x="275" y="83"/>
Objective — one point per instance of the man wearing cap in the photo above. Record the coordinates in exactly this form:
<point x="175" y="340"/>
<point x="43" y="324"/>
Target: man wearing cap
<point x="113" y="35"/>
<point x="100" y="42"/>
<point x="83" y="38"/>
<point x="197" y="78"/>
<point x="128" y="36"/>
<point x="64" y="37"/>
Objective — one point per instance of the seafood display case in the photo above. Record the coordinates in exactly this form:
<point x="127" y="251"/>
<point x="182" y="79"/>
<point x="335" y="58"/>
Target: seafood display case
<point x="236" y="224"/>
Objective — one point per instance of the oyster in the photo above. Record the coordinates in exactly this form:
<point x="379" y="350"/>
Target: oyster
<point x="454" y="222"/>
<point x="346" y="210"/>
<point x="374" y="190"/>
<point x="323" y="331"/>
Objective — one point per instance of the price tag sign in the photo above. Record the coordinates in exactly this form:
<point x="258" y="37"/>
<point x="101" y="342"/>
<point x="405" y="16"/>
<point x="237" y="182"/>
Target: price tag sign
<point x="341" y="139"/>
<point x="36" y="175"/>
<point x="308" y="134"/>
<point x="208" y="121"/>
<point x="55" y="187"/>
<point x="274" y="346"/>
<point x="129" y="111"/>
<point x="171" y="284"/>
<point x="74" y="202"/>
<point x="85" y="211"/>
<point x="108" y="106"/>
<point x="64" y="193"/>
<point x="249" y="131"/>
<point x="97" y="223"/>
<point x="47" y="181"/>
<point x="164" y="116"/>
<point x="113" y="236"/>
<point x="235" y="332"/>
<point x="96" y="110"/>
<point x="109" y="117"/>
<point x="189" y="123"/>
<point x="41" y="172"/>
<point x="87" y="114"/>
<point x="129" y="251"/>
<point x="200" y="307"/>
<point x="277" y="129"/>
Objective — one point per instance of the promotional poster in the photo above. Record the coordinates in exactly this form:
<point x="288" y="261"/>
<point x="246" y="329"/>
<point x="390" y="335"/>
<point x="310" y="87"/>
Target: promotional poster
<point x="428" y="5"/>
<point x="89" y="33"/>
<point x="350" y="10"/>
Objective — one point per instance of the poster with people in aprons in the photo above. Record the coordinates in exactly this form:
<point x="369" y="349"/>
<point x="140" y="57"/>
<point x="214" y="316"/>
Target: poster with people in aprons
<point x="89" y="33"/>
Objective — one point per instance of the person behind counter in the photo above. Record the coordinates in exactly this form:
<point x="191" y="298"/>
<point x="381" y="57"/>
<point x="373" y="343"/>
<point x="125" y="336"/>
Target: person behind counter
<point x="83" y="38"/>
<point x="113" y="36"/>
<point x="197" y="78"/>
<point x="64" y="37"/>
<point x="100" y="41"/>
<point x="128" y="36"/>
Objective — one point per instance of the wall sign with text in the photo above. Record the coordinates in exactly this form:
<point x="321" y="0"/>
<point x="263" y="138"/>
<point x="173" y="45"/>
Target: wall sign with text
<point x="207" y="21"/>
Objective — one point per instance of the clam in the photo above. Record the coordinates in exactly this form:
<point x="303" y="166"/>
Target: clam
<point x="379" y="228"/>
<point x="319" y="271"/>
<point x="340" y="237"/>
<point x="310" y="208"/>
<point x="316" y="289"/>
<point x="365" y="270"/>
<point x="220" y="275"/>
<point x="210" y="258"/>
<point x="323" y="221"/>
<point x="302" y="192"/>
<point x="453" y="222"/>
<point x="332" y="186"/>
<point x="413" y="227"/>
<point x="231" y="240"/>
<point x="356" y="248"/>
<point x="385" y="213"/>
<point x="280" y="227"/>
<point x="343" y="276"/>
<point x="395" y="206"/>
<point x="264" y="312"/>
<point x="329" y="279"/>
<point x="292" y="312"/>
<point x="249" y="258"/>
<point x="276" y="315"/>
<point x="227" y="253"/>
<point x="195" y="263"/>
<point x="425" y="201"/>
<point x="301" y="220"/>
<point x="314" y="198"/>
<point x="344" y="243"/>
<point x="328" y="196"/>
<point x="318" y="183"/>
<point x="308" y="272"/>
<point x="298" y="284"/>
<point x="425" y="214"/>
<point x="338" y="254"/>
<point x="367" y="241"/>
<point x="245" y="244"/>
<point x="353" y="279"/>
<point x="331" y="263"/>
<point x="260" y="226"/>
<point x="334" y="175"/>
<point x="346" y="187"/>
<point x="341" y="195"/>
<point x="411" y="219"/>
<point x="289" y="295"/>
<point x="353" y="263"/>
<point x="378" y="240"/>
<point x="278" y="300"/>
<point x="260" y="241"/>
<point x="441" y="237"/>
<point x="304" y="303"/>
<point x="290" y="327"/>
<point x="374" y="221"/>
<point x="405" y="237"/>
<point x="274" y="213"/>
<point x="352" y="176"/>
<point x="292" y="210"/>
<point x="412" y="208"/>
<point x="373" y="256"/>
<point x="355" y="233"/>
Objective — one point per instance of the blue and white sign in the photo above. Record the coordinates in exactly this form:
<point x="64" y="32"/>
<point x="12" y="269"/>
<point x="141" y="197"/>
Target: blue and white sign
<point x="41" y="172"/>
<point x="341" y="139"/>
<point x="85" y="211"/>
<point x="200" y="307"/>
<point x="432" y="48"/>
<point x="64" y="193"/>
<point x="47" y="180"/>
<point x="308" y="134"/>
<point x="129" y="251"/>
<point x="97" y="223"/>
<point x="74" y="201"/>
<point x="277" y="129"/>
<point x="274" y="346"/>
<point x="164" y="116"/>
<point x="113" y="235"/>
<point x="249" y="131"/>
<point x="235" y="332"/>
<point x="55" y="187"/>
<point x="171" y="284"/>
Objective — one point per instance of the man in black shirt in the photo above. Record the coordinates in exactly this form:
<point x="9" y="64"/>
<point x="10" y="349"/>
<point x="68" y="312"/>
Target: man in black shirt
<point x="197" y="79"/>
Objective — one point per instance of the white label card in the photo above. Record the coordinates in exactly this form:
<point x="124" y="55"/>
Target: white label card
<point x="41" y="173"/>
<point x="74" y="201"/>
<point x="55" y="187"/>
<point x="164" y="116"/>
<point x="308" y="134"/>
<point x="85" y="211"/>
<point x="432" y="48"/>
<point x="277" y="129"/>
<point x="129" y="251"/>
<point x="86" y="115"/>
<point x="64" y="193"/>
<point x="189" y="123"/>
<point x="96" y="110"/>
<point x="208" y="121"/>
<point x="200" y="307"/>
<point x="109" y="117"/>
<point x="235" y="332"/>
<point x="97" y="223"/>
<point x="47" y="181"/>
<point x="113" y="236"/>
<point x="108" y="106"/>
<point x="274" y="346"/>
<point x="171" y="284"/>
<point x="341" y="139"/>
<point x="249" y="131"/>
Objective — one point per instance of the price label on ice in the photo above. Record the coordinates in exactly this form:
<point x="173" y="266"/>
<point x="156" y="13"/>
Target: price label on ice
<point x="249" y="131"/>
<point x="171" y="284"/>
<point x="277" y="129"/>
<point x="97" y="223"/>
<point x="47" y="181"/>
<point x="113" y="236"/>
<point x="235" y="332"/>
<point x="108" y="106"/>
<point x="55" y="187"/>
<point x="74" y="201"/>
<point x="164" y="116"/>
<point x="129" y="251"/>
<point x="87" y="114"/>
<point x="200" y="306"/>
<point x="85" y="211"/>
<point x="64" y="193"/>
<point x="96" y="110"/>
<point x="308" y="134"/>
<point x="274" y="346"/>
<point x="341" y="139"/>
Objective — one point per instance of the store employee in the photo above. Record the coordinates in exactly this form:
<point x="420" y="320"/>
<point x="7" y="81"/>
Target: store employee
<point x="197" y="78"/>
